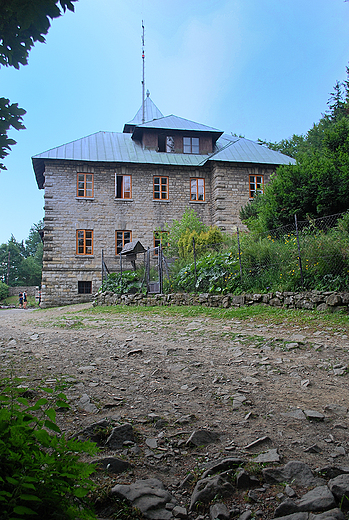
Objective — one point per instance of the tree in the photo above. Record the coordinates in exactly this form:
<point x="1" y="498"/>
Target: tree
<point x="22" y="23"/>
<point x="318" y="184"/>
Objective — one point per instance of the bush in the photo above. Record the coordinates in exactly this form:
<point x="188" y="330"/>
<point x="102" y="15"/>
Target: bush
<point x="205" y="240"/>
<point x="189" y="221"/>
<point x="41" y="475"/>
<point x="127" y="282"/>
<point x="4" y="291"/>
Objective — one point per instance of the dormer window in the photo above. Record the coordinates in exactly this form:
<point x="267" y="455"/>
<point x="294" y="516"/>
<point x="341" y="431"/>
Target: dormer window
<point x="191" y="145"/>
<point x="166" y="143"/>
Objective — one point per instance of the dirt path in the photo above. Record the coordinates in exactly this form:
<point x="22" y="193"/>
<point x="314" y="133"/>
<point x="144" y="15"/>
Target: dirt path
<point x="244" y="380"/>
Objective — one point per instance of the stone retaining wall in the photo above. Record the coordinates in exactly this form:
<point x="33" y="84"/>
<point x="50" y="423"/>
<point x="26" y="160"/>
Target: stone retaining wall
<point x="31" y="290"/>
<point x="313" y="300"/>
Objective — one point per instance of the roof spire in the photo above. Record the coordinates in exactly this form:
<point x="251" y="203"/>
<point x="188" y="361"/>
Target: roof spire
<point x="143" y="80"/>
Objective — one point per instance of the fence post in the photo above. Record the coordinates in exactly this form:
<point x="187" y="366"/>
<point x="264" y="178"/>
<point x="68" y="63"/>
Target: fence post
<point x="102" y="267"/>
<point x="148" y="268"/>
<point x="160" y="268"/>
<point x="120" y="270"/>
<point x="194" y="254"/>
<point x="238" y="235"/>
<point x="299" y="251"/>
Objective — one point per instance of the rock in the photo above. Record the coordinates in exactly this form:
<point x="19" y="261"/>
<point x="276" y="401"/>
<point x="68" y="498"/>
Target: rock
<point x="203" y="438"/>
<point x="152" y="443"/>
<point x="295" y="516"/>
<point x="149" y="496"/>
<point x="219" y="511"/>
<point x="295" y="414"/>
<point x="313" y="449"/>
<point x="333" y="514"/>
<point x="313" y="415"/>
<point x="112" y="465"/>
<point x="257" y="442"/>
<point x="223" y="465"/>
<point x="179" y="512"/>
<point x="290" y="492"/>
<point x="269" y="456"/>
<point x="119" y="435"/>
<point x="293" y="472"/>
<point x="339" y="486"/>
<point x="244" y="480"/>
<point x="287" y="507"/>
<point x="318" y="499"/>
<point x="207" y="488"/>
<point x="85" y="404"/>
<point x="246" y="515"/>
<point x="332" y="472"/>
<point x="94" y="432"/>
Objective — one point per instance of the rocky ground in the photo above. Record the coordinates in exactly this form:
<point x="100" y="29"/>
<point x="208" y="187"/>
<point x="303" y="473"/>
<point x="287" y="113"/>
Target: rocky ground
<point x="194" y="392"/>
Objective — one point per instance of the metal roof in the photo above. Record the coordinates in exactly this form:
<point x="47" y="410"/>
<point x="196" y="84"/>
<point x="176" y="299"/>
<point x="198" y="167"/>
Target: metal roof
<point x="178" y="123"/>
<point x="151" y="112"/>
<point x="239" y="149"/>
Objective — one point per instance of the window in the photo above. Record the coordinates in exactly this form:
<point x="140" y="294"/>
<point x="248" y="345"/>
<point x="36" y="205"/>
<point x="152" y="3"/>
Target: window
<point x="166" y="143"/>
<point x="160" y="239"/>
<point x="123" y="187"/>
<point x="84" y="242"/>
<point x="85" y="185"/>
<point x="197" y="189"/>
<point x="122" y="238"/>
<point x="191" y="145"/>
<point x="84" y="287"/>
<point x="161" y="188"/>
<point x="256" y="185"/>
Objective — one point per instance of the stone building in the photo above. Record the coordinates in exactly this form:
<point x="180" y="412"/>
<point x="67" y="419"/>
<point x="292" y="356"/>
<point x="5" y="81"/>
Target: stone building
<point x="107" y="189"/>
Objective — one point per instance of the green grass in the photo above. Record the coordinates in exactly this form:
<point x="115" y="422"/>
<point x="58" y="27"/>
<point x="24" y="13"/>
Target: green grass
<point x="259" y="313"/>
<point x="13" y="300"/>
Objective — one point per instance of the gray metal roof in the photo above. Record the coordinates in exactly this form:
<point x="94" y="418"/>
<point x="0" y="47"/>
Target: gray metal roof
<point x="178" y="123"/>
<point x="239" y="149"/>
<point x="151" y="112"/>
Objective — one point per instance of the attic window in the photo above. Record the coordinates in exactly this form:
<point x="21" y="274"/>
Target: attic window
<point x="191" y="145"/>
<point x="166" y="143"/>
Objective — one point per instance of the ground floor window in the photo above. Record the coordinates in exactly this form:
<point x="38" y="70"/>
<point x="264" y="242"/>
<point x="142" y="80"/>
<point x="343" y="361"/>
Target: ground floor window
<point x="85" y="287"/>
<point x="122" y="238"/>
<point x="160" y="239"/>
<point x="256" y="185"/>
<point x="84" y="242"/>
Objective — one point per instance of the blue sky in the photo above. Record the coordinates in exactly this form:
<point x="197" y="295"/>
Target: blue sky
<point x="259" y="68"/>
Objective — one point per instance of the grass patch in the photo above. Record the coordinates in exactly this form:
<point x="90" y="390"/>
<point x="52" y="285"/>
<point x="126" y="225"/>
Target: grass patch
<point x="257" y="313"/>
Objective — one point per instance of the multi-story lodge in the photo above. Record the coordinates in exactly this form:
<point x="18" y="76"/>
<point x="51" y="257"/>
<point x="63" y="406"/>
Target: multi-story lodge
<point x="107" y="189"/>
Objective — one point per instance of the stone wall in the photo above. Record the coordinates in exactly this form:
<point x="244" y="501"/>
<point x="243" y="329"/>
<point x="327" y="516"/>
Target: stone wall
<point x="313" y="300"/>
<point x="30" y="290"/>
<point x="104" y="214"/>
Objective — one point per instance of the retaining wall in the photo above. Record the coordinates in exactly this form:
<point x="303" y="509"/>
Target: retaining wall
<point x="313" y="300"/>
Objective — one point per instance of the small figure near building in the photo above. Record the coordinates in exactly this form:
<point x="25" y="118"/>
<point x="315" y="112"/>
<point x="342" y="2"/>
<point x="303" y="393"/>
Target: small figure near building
<point x="20" y="298"/>
<point x="24" y="300"/>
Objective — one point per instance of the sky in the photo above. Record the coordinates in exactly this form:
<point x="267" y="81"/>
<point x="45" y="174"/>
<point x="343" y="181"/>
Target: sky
<point x="258" y="68"/>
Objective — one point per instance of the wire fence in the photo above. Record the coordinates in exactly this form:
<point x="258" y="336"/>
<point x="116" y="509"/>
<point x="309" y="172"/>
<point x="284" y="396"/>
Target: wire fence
<point x="311" y="254"/>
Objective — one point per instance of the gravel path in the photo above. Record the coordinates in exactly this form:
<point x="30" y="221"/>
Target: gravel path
<point x="243" y="379"/>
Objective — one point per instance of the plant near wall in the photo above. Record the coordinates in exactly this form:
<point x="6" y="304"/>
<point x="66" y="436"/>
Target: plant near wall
<point x="127" y="282"/>
<point x="41" y="475"/>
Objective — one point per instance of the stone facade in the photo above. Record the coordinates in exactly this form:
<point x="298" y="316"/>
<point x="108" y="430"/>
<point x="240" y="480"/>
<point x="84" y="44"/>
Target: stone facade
<point x="226" y="190"/>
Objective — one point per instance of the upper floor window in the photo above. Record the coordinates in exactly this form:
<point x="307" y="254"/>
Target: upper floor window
<point x="191" y="145"/>
<point x="123" y="187"/>
<point x="166" y="143"/>
<point x="85" y="185"/>
<point x="256" y="185"/>
<point x="122" y="238"/>
<point x="161" y="188"/>
<point x="197" y="189"/>
<point x="84" y="242"/>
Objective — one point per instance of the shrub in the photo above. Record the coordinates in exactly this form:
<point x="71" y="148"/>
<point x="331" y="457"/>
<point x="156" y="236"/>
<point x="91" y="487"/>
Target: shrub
<point x="4" y="292"/>
<point x="41" y="475"/>
<point x="127" y="282"/>
<point x="189" y="221"/>
<point x="205" y="240"/>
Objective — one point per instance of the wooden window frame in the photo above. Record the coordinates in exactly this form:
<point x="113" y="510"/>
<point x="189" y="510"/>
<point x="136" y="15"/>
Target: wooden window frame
<point x="83" y="242"/>
<point x="158" y="239"/>
<point x="123" y="231"/>
<point x="124" y="194"/>
<point x="160" y="192"/>
<point x="191" y="147"/>
<point x="85" y="184"/>
<point x="253" y="185"/>
<point x="194" y="181"/>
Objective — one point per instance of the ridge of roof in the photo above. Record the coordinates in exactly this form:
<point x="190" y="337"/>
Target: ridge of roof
<point x="174" y="122"/>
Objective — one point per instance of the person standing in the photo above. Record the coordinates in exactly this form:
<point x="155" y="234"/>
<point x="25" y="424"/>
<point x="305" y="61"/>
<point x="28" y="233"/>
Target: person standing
<point x="24" y="300"/>
<point x="20" y="297"/>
